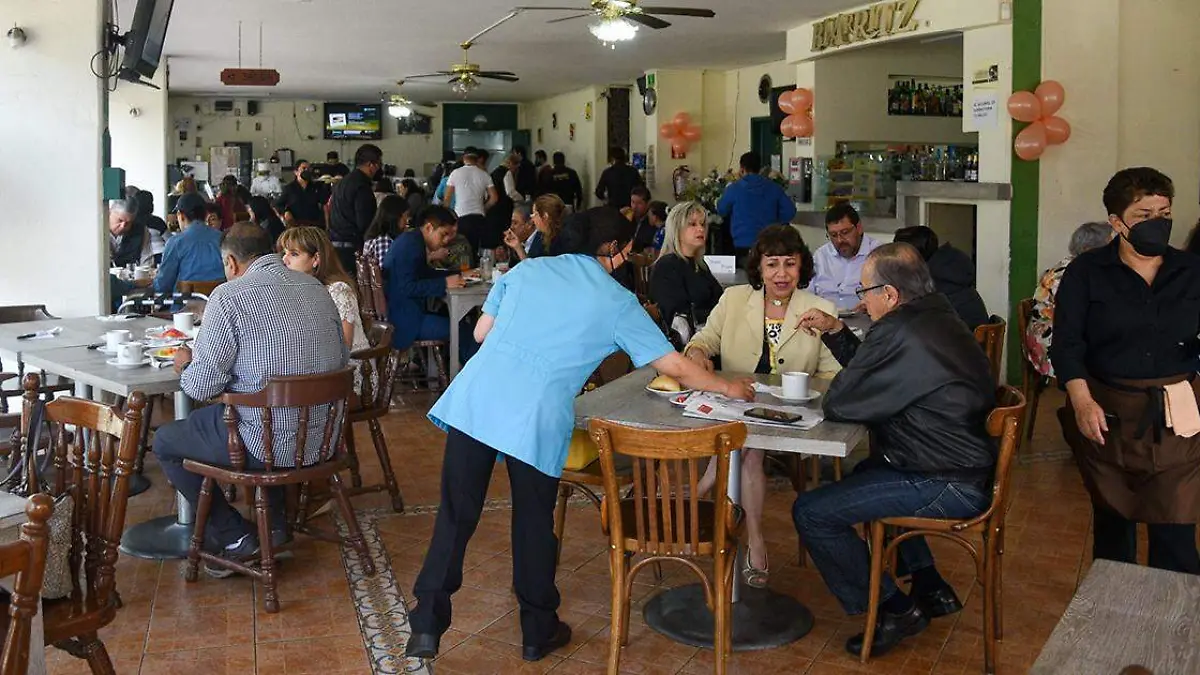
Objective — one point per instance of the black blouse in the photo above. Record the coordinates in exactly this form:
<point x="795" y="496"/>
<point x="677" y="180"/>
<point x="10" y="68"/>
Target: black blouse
<point x="1109" y="324"/>
<point x="680" y="286"/>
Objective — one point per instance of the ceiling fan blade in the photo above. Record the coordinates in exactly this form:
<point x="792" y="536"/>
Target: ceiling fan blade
<point x="680" y="11"/>
<point x="572" y="18"/>
<point x="440" y="73"/>
<point x="647" y="20"/>
<point x="497" y="75"/>
<point x="550" y="9"/>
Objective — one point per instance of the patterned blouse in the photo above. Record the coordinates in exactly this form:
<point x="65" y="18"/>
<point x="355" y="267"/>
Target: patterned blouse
<point x="774" y="331"/>
<point x="1041" y="321"/>
<point x="377" y="248"/>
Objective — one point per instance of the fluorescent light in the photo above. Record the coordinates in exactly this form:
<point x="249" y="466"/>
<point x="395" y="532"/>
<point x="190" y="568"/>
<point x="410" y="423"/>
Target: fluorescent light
<point x="614" y="30"/>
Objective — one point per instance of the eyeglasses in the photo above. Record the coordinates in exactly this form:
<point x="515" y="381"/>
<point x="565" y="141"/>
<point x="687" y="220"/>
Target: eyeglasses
<point x="862" y="292"/>
<point x="846" y="235"/>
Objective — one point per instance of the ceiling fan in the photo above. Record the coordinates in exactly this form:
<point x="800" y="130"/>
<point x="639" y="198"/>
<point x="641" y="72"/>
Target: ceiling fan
<point x="618" y="19"/>
<point x="465" y="77"/>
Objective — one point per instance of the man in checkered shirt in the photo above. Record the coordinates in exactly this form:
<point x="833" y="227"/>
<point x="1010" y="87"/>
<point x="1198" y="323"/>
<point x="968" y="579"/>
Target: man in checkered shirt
<point x="265" y="321"/>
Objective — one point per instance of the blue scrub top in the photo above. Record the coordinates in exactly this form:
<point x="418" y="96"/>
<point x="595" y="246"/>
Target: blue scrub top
<point x="556" y="319"/>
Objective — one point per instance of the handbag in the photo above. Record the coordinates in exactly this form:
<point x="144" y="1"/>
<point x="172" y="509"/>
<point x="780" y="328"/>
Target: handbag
<point x="582" y="451"/>
<point x="25" y="481"/>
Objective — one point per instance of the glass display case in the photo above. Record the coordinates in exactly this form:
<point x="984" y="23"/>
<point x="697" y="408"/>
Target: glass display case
<point x="865" y="174"/>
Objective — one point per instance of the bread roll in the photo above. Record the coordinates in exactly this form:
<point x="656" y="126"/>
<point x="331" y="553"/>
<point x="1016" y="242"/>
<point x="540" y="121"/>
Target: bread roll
<point x="664" y="383"/>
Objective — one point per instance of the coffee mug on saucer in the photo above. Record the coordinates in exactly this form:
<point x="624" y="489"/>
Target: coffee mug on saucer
<point x="795" y="385"/>
<point x="140" y="273"/>
<point x="130" y="352"/>
<point x="184" y="322"/>
<point x="114" y="338"/>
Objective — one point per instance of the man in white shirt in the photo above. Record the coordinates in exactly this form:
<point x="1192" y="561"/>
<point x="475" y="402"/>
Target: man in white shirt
<point x="472" y="192"/>
<point x="840" y="261"/>
<point x="265" y="184"/>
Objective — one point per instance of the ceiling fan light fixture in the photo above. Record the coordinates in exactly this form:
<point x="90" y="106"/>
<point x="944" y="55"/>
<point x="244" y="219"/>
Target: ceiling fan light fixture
<point x="464" y="85"/>
<point x="399" y="110"/>
<point x="610" y="31"/>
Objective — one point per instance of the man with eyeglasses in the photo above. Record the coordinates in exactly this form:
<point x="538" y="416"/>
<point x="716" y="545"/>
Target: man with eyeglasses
<point x="921" y="384"/>
<point x="839" y="262"/>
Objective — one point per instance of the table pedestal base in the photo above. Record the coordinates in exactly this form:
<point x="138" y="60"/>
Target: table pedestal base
<point x="160" y="539"/>
<point x="762" y="619"/>
<point x="138" y="484"/>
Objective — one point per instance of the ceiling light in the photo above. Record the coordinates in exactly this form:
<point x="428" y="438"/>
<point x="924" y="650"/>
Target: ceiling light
<point x="610" y="31"/>
<point x="399" y="110"/>
<point x="464" y="85"/>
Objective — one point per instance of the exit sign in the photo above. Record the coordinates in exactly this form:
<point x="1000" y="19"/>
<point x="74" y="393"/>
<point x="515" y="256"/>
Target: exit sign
<point x="249" y="77"/>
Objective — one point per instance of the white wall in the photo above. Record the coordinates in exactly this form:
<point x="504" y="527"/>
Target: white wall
<point x="139" y="143"/>
<point x="590" y="135"/>
<point x="51" y="116"/>
<point x="678" y="91"/>
<point x="731" y="100"/>
<point x="285" y="124"/>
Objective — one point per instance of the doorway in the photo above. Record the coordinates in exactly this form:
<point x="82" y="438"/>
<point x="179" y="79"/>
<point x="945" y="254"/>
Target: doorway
<point x="767" y="142"/>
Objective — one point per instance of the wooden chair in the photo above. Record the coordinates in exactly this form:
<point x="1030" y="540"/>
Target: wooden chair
<point x="26" y="558"/>
<point x="366" y="294"/>
<point x="642" y="266"/>
<point x="377" y="366"/>
<point x="1033" y="383"/>
<point x="1003" y="423"/>
<point x="435" y="351"/>
<point x="665" y="518"/>
<point x="326" y="393"/>
<point x="93" y="464"/>
<point x="990" y="337"/>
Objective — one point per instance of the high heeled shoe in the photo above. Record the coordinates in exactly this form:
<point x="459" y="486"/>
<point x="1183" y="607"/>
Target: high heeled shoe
<point x="754" y="577"/>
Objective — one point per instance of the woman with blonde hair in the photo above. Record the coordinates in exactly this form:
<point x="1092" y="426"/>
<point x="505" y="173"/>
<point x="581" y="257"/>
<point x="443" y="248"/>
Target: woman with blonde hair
<point x="307" y="249"/>
<point x="535" y="228"/>
<point x="680" y="283"/>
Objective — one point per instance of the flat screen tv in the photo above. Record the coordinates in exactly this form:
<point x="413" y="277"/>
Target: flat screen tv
<point x="145" y="39"/>
<point x="353" y="121"/>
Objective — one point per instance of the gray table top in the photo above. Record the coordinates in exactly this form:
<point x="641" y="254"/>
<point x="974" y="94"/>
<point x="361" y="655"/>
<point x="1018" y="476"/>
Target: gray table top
<point x="75" y="333"/>
<point x="1125" y="615"/>
<point x="86" y="366"/>
<point x="627" y="401"/>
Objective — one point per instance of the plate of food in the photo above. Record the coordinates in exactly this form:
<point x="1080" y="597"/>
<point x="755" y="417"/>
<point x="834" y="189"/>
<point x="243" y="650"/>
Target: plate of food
<point x="169" y="333"/>
<point x="666" y="386"/>
<point x="165" y="353"/>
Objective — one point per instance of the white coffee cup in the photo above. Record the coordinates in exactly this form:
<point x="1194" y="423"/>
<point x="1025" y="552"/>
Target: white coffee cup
<point x="795" y="385"/>
<point x="130" y="352"/>
<point x="114" y="338"/>
<point x="140" y="273"/>
<point x="184" y="322"/>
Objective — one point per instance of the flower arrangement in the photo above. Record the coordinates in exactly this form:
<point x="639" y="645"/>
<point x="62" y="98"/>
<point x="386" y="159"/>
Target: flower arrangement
<point x="708" y="190"/>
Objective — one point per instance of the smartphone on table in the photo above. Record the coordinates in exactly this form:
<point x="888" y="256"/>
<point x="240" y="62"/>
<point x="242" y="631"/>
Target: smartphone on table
<point x="770" y="415"/>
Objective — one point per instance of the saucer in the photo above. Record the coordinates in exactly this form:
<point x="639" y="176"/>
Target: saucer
<point x="812" y="394"/>
<point x="127" y="366"/>
<point x="666" y="394"/>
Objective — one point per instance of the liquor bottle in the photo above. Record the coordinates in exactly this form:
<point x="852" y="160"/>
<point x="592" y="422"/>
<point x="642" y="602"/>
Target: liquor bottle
<point x="894" y="99"/>
<point x="915" y="97"/>
<point x="935" y="101"/>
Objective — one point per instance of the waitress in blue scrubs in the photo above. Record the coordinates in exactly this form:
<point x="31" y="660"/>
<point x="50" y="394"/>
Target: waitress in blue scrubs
<point x="546" y="326"/>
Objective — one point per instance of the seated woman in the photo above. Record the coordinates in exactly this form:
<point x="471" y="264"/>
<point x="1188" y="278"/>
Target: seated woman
<point x="953" y="273"/>
<point x="410" y="191"/>
<point x="658" y="220"/>
<point x="308" y="249"/>
<point x="680" y="283"/>
<point x="1040" y="330"/>
<point x="264" y="216"/>
<point x="535" y="228"/>
<point x="754" y="330"/>
<point x="391" y="220"/>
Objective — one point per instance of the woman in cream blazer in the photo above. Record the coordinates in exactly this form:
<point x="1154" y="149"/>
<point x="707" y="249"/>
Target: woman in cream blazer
<point x="755" y="329"/>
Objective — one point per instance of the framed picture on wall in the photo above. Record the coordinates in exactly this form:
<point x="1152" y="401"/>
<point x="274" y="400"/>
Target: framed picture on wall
<point x="923" y="96"/>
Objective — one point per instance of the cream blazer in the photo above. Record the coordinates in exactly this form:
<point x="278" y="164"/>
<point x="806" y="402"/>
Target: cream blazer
<point x="735" y="331"/>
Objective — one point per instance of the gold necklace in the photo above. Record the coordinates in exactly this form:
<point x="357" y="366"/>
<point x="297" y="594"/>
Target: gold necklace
<point x="780" y="303"/>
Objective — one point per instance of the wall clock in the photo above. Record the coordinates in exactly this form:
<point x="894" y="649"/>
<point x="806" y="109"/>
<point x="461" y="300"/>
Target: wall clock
<point x="650" y="101"/>
<point x="764" y="89"/>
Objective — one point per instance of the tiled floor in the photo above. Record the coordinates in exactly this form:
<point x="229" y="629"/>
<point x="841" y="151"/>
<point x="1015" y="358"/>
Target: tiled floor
<point x="169" y="626"/>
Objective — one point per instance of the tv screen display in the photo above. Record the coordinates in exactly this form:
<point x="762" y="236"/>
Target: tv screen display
<point x="353" y="121"/>
<point x="146" y="37"/>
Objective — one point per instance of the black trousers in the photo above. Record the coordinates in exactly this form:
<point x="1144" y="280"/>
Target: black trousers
<point x="466" y="471"/>
<point x="349" y="263"/>
<point x="475" y="228"/>
<point x="1172" y="547"/>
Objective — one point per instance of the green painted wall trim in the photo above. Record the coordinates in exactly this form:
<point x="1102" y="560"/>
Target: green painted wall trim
<point x="1023" y="226"/>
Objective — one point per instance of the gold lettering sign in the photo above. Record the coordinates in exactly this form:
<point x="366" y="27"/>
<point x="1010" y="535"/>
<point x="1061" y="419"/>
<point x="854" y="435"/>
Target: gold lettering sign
<point x="883" y="19"/>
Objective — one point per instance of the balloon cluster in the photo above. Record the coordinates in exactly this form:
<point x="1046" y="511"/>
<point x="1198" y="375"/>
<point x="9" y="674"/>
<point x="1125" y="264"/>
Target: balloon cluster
<point x="1038" y="108"/>
<point x="798" y="104"/>
<point x="680" y="132"/>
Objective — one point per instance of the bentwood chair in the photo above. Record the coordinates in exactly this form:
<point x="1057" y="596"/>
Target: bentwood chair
<point x="1033" y="383"/>
<point x="374" y="306"/>
<point x="93" y="464"/>
<point x="325" y="394"/>
<point x="373" y="399"/>
<point x="1004" y="423"/>
<point x="642" y="266"/>
<point x="990" y="337"/>
<point x="26" y="558"/>
<point x="666" y="519"/>
<point x="366" y="294"/>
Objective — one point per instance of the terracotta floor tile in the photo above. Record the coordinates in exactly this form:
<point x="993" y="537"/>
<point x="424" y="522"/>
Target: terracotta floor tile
<point x="480" y="656"/>
<point x="342" y="655"/>
<point x="186" y="627"/>
<point x="305" y="619"/>
<point x="237" y="660"/>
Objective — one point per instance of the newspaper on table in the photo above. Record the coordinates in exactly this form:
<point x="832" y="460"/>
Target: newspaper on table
<point x="707" y="406"/>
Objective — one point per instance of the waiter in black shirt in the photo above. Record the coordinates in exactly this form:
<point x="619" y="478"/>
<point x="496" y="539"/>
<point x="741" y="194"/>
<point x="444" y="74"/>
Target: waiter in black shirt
<point x="563" y="181"/>
<point x="618" y="180"/>
<point x="1126" y="322"/>
<point x="334" y="167"/>
<point x="302" y="201"/>
<point x="526" y="175"/>
<point x="354" y="204"/>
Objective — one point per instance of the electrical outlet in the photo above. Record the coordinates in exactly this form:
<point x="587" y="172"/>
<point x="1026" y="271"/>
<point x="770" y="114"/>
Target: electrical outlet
<point x="258" y="126"/>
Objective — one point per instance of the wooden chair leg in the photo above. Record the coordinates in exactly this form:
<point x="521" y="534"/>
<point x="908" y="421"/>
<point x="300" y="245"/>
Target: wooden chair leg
<point x="989" y="604"/>
<point x="722" y="601"/>
<point x="618" y="569"/>
<point x="144" y="444"/>
<point x="877" y="558"/>
<point x="97" y="655"/>
<point x="837" y="468"/>
<point x="203" y="507"/>
<point x="443" y="370"/>
<point x="999" y="576"/>
<point x="266" y="551"/>
<point x="354" y="536"/>
<point x="385" y="463"/>
<point x="1031" y="410"/>
<point x="352" y="457"/>
<point x="560" y="517"/>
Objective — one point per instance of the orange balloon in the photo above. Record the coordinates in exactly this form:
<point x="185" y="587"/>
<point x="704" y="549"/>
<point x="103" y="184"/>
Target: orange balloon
<point x="1031" y="142"/>
<point x="682" y="120"/>
<point x="692" y="133"/>
<point x="1058" y="130"/>
<point x="667" y="130"/>
<point x="680" y="145"/>
<point x="1023" y="106"/>
<point x="803" y="126"/>
<point x="1052" y="96"/>
<point x="803" y="99"/>
<point x="787" y="127"/>
<point x="787" y="102"/>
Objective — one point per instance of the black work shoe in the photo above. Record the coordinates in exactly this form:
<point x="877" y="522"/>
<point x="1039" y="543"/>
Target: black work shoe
<point x="939" y="602"/>
<point x="422" y="646"/>
<point x="562" y="636"/>
<point x="890" y="630"/>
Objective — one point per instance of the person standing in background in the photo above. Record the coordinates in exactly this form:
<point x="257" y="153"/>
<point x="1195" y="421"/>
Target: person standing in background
<point x="563" y="181"/>
<point x="230" y="202"/>
<point x="353" y="206"/>
<point x="618" y="180"/>
<point x="472" y="192"/>
<point x="265" y="184"/>
<point x="752" y="203"/>
<point x="526" y="173"/>
<point x="334" y="167"/>
<point x="302" y="200"/>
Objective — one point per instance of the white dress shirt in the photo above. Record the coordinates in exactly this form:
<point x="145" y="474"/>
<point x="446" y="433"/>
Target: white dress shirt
<point x="265" y="186"/>
<point x="836" y="277"/>
<point x="470" y="185"/>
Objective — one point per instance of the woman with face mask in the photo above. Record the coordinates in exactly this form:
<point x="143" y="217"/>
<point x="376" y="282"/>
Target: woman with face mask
<point x="1125" y="347"/>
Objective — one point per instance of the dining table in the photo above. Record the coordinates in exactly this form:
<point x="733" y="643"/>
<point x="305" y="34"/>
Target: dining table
<point x="762" y="618"/>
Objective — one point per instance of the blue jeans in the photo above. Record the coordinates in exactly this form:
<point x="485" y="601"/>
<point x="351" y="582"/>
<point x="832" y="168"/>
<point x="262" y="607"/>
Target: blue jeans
<point x="826" y="517"/>
<point x="437" y="327"/>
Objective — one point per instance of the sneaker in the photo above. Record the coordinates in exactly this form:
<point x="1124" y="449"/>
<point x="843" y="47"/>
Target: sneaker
<point x="245" y="548"/>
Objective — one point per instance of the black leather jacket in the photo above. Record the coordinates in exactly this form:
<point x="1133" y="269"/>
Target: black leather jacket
<point x="920" y="382"/>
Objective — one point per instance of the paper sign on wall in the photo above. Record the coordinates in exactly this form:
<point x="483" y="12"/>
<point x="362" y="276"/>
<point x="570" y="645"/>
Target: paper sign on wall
<point x="720" y="264"/>
<point x="985" y="111"/>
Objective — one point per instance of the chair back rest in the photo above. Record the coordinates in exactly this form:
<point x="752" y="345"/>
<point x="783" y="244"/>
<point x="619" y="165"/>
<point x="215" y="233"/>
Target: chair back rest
<point x="318" y="399"/>
<point x="366" y="299"/>
<point x="202" y="287"/>
<point x="990" y="337"/>
<point x="93" y="463"/>
<point x="1005" y="423"/>
<point x="614" y="367"/>
<point x="374" y="274"/>
<point x="667" y="466"/>
<point x="377" y="365"/>
<point x="25" y="558"/>
<point x="642" y="265"/>
<point x="22" y="313"/>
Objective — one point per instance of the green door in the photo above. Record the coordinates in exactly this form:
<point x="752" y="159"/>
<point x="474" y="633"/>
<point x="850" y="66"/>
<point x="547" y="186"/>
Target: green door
<point x="765" y="139"/>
